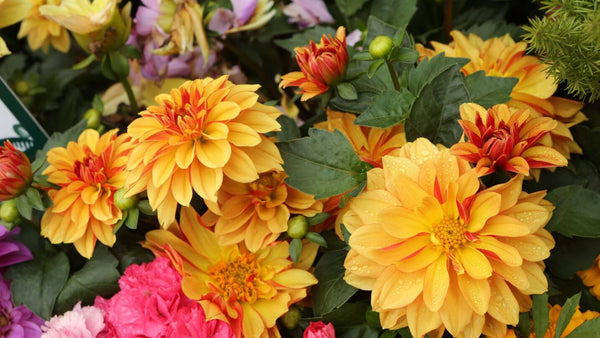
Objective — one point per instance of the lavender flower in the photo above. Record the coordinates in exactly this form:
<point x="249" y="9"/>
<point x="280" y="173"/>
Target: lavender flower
<point x="16" y="322"/>
<point x="307" y="13"/>
<point x="11" y="251"/>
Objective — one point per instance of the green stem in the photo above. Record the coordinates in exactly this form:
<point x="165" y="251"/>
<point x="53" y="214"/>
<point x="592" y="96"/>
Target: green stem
<point x="393" y="75"/>
<point x="130" y="95"/>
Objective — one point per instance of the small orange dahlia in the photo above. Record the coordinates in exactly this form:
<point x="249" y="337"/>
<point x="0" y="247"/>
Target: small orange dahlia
<point x="88" y="173"/>
<point x="321" y="64"/>
<point x="257" y="212"/>
<point x="440" y="253"/>
<point x="42" y="32"/>
<point x="503" y="57"/>
<point x="15" y="172"/>
<point x="249" y="290"/>
<point x="577" y="319"/>
<point x="202" y="130"/>
<point x="591" y="278"/>
<point x="501" y="137"/>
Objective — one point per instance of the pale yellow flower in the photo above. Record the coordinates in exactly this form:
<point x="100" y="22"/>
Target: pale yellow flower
<point x="81" y="16"/>
<point x="42" y="32"/>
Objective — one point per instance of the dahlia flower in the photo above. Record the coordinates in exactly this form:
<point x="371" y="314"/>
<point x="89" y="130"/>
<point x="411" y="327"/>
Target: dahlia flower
<point x="321" y="64"/>
<point x="246" y="15"/>
<point x="504" y="57"/>
<point x="307" y="13"/>
<point x="17" y="321"/>
<point x="15" y="172"/>
<point x="42" y="32"/>
<point x="438" y="252"/>
<point x="577" y="319"/>
<point x="202" y="131"/>
<point x="257" y="213"/>
<point x="591" y="278"/>
<point x="319" y="330"/>
<point x="81" y="322"/>
<point x="11" y="250"/>
<point x="249" y="290"/>
<point x="501" y="137"/>
<point x="151" y="304"/>
<point x="88" y="173"/>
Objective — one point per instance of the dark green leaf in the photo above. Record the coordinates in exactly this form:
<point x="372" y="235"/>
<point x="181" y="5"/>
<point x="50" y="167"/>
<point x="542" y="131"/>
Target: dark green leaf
<point x="345" y="233"/>
<point x="57" y="140"/>
<point x="359" y="331"/>
<point x="132" y="218"/>
<point x="317" y="219"/>
<point x="24" y="206"/>
<point x="323" y="164"/>
<point x="35" y="199"/>
<point x="347" y="91"/>
<point x="289" y="129"/>
<point x="37" y="283"/>
<point x="316" y="238"/>
<point x="349" y="7"/>
<point x="303" y="39"/>
<point x="331" y="291"/>
<point x="431" y="68"/>
<point x="566" y="314"/>
<point x="348" y="315"/>
<point x="588" y="329"/>
<point x="404" y="55"/>
<point x="395" y="12"/>
<point x="376" y="27"/>
<point x="374" y="67"/>
<point x="540" y="314"/>
<point x="120" y="223"/>
<point x="572" y="254"/>
<point x="346" y="198"/>
<point x="106" y="68"/>
<point x="388" y="109"/>
<point x="388" y="334"/>
<point x="120" y="65"/>
<point x="489" y="90"/>
<point x="576" y="213"/>
<point x="98" y="277"/>
<point x="98" y="104"/>
<point x="295" y="249"/>
<point x="145" y="208"/>
<point x="128" y="250"/>
<point x="524" y="324"/>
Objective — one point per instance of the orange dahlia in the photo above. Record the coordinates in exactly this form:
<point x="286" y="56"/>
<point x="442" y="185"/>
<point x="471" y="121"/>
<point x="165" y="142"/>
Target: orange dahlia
<point x="591" y="278"/>
<point x="88" y="173"/>
<point x="501" y="137"/>
<point x="201" y="131"/>
<point x="249" y="290"/>
<point x="504" y="57"/>
<point x="257" y="212"/>
<point x="15" y="172"/>
<point x="321" y="64"/>
<point x="577" y="319"/>
<point x="42" y="32"/>
<point x="438" y="252"/>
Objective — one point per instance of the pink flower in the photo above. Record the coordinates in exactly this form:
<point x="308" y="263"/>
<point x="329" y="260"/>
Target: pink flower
<point x="319" y="330"/>
<point x="307" y="13"/>
<point x="81" y="322"/>
<point x="152" y="304"/>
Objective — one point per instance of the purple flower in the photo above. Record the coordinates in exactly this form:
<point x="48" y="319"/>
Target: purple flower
<point x="223" y="19"/>
<point x="307" y="13"/>
<point x="11" y="251"/>
<point x="16" y="322"/>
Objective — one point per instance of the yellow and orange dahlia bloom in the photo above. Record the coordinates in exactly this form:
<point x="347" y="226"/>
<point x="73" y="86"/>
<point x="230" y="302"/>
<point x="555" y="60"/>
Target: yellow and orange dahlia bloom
<point x="506" y="138"/>
<point x="200" y="132"/>
<point x="15" y="172"/>
<point x="577" y="319"/>
<point x="249" y="290"/>
<point x="88" y="173"/>
<point x="440" y="253"/>
<point x="591" y="278"/>
<point x="503" y="57"/>
<point x="42" y="32"/>
<point x="257" y="213"/>
<point x="321" y="64"/>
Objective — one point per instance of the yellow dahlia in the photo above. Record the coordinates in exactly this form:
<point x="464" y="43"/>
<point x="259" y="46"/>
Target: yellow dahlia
<point x="11" y="12"/>
<point x="591" y="278"/>
<point x="501" y="137"/>
<point x="504" y="57"/>
<point x="88" y="172"/>
<point x="249" y="290"/>
<point x="577" y="319"/>
<point x="438" y="252"/>
<point x="201" y="131"/>
<point x="257" y="212"/>
<point x="42" y="32"/>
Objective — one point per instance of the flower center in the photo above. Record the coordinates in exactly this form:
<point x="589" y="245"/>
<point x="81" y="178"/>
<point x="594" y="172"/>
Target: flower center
<point x="4" y="321"/>
<point x="236" y="277"/>
<point x="266" y="185"/>
<point x="91" y="169"/>
<point x="450" y="233"/>
<point x="499" y="142"/>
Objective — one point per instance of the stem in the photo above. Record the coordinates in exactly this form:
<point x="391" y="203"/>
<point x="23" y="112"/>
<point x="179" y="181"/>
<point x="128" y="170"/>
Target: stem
<point x="130" y="96"/>
<point x="393" y="75"/>
<point x="448" y="19"/>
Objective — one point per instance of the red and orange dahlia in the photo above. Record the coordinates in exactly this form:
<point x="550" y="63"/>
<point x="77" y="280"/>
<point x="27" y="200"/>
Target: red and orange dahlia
<point x="15" y="172"/>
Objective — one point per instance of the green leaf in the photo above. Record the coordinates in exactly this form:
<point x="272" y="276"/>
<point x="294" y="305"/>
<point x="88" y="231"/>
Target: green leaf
<point x="489" y="90"/>
<point x="359" y="331"/>
<point x="395" y="12"/>
<point x="97" y="103"/>
<point x="540" y="313"/>
<point x="289" y="129"/>
<point x="388" y="109"/>
<point x="431" y="68"/>
<point x="587" y="329"/>
<point x="566" y="314"/>
<point x="295" y="249"/>
<point x="571" y="255"/>
<point x="35" y="199"/>
<point x="316" y="238"/>
<point x="57" y="140"/>
<point x="345" y="233"/>
<point x="128" y="250"/>
<point x="120" y="223"/>
<point x="98" y="277"/>
<point x="37" y="283"/>
<point x="376" y="27"/>
<point x="347" y="91"/>
<point x="576" y="213"/>
<point x="524" y="324"/>
<point x="317" y="219"/>
<point x="404" y="55"/>
<point x="132" y="218"/>
<point x="374" y="67"/>
<point x="331" y="291"/>
<point x="119" y="65"/>
<point x="130" y="51"/>
<point x="323" y="164"/>
<point x="24" y="206"/>
<point x="348" y="315"/>
<point x="349" y="7"/>
<point x="303" y="39"/>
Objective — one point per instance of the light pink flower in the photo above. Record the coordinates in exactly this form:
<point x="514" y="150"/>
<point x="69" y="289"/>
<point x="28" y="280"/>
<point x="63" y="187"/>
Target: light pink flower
<point x="81" y="322"/>
<point x="319" y="330"/>
<point x="307" y="13"/>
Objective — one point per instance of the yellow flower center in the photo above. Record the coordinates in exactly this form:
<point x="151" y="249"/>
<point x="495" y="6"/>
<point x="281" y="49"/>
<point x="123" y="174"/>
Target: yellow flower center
<point x="267" y="183"/>
<point x="236" y="277"/>
<point x="450" y="233"/>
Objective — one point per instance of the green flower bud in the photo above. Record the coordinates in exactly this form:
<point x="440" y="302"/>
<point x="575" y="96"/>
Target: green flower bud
<point x="93" y="117"/>
<point x="381" y="47"/>
<point x="122" y="202"/>
<point x="9" y="212"/>
<point x="291" y="318"/>
<point x="21" y="88"/>
<point x="297" y="227"/>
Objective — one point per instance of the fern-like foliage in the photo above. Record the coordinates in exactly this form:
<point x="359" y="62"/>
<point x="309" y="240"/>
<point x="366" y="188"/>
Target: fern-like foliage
<point x="568" y="39"/>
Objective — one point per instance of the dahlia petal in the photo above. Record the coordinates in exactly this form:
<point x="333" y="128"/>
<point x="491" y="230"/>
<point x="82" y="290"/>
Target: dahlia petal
<point x="224" y="111"/>
<point x="206" y="181"/>
<point x="257" y="120"/>
<point x="165" y="212"/>
<point x="510" y="192"/>
<point x="89" y="138"/>
<point x="407" y="191"/>
<point x="103" y="232"/>
<point x="242" y="135"/>
<point x="162" y="168"/>
<point x="456" y="313"/>
<point x="565" y="108"/>
<point x="393" y="319"/>
<point x="90" y="194"/>
<point x="80" y="213"/>
<point x="400" y="165"/>
<point x="395" y="289"/>
<point x="538" y="283"/>
<point x="256" y="234"/>
<point x="498" y="250"/>
<point x="546" y="156"/>
<point x="200" y="238"/>
<point x="474" y="262"/>
<point x="419" y="260"/>
<point x="514" y="275"/>
<point x="240" y="167"/>
<point x="143" y="127"/>
<point x="245" y="97"/>
<point x="476" y="292"/>
<point x="436" y="283"/>
<point x="295" y="279"/>
<point x="402" y="223"/>
<point x="213" y="153"/>
<point x="85" y="245"/>
<point x="188" y="253"/>
<point x="505" y="226"/>
<point x="503" y="306"/>
<point x="265" y="156"/>
<point x="216" y="131"/>
<point x="361" y="272"/>
<point x="485" y="205"/>
<point x="431" y="212"/>
<point x="181" y="187"/>
<point x="156" y="195"/>
<point x="253" y="325"/>
<point x="371" y="237"/>
<point x="63" y="200"/>
<point x="530" y="247"/>
<point x="517" y="165"/>
<point x="420" y="319"/>
<point x="185" y="154"/>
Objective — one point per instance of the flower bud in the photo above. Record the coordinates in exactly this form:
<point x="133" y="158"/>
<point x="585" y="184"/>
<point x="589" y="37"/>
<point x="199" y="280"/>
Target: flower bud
<point x="93" y="117"/>
<point x="291" y="318"/>
<point x="21" y="88"/>
<point x="297" y="227"/>
<point x="15" y="172"/>
<point x="9" y="213"/>
<point x="381" y="47"/>
<point x="122" y="202"/>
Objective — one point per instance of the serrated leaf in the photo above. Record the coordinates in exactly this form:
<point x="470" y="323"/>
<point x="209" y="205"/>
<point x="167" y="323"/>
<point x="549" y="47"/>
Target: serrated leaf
<point x="303" y="39"/>
<point x="316" y="238"/>
<point x="347" y="91"/>
<point x="566" y="314"/>
<point x="349" y="7"/>
<point x="295" y="249"/>
<point x="431" y="68"/>
<point x="395" y="12"/>
<point x="331" y="291"/>
<point x="323" y="164"/>
<point x="388" y="109"/>
<point x="576" y="213"/>
<point x="489" y="90"/>
<point x="289" y="129"/>
<point x="540" y="314"/>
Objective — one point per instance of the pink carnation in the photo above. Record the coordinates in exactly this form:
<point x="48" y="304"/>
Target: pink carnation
<point x="319" y="330"/>
<point x="152" y="304"/>
<point x="81" y="322"/>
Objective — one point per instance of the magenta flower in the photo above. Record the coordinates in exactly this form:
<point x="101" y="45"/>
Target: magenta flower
<point x="307" y="13"/>
<point x="319" y="330"/>
<point x="81" y="322"/>
<point x="16" y="322"/>
<point x="12" y="251"/>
